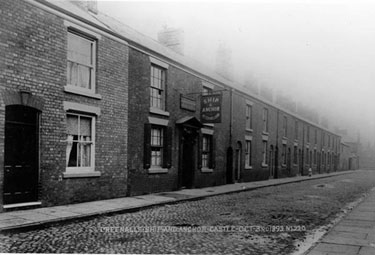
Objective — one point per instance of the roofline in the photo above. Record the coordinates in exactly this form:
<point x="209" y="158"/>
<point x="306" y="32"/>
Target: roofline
<point x="172" y="62"/>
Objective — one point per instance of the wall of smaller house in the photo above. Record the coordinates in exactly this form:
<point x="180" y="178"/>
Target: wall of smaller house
<point x="178" y="82"/>
<point x="33" y="44"/>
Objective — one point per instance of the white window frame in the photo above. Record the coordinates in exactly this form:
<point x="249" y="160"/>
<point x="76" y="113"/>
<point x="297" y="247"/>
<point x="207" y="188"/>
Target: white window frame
<point x="90" y="168"/>
<point x="264" y="153"/>
<point x="78" y="89"/>
<point x="74" y="108"/>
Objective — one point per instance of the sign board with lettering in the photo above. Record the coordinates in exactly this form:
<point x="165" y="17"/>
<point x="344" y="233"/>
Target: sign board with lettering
<point x="211" y="108"/>
<point x="187" y="103"/>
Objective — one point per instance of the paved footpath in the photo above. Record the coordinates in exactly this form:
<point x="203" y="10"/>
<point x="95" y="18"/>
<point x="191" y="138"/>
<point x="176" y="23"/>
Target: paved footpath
<point x="46" y="215"/>
<point x="354" y="234"/>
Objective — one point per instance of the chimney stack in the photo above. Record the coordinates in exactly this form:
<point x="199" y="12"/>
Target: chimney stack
<point x="173" y="38"/>
<point x="224" y="65"/>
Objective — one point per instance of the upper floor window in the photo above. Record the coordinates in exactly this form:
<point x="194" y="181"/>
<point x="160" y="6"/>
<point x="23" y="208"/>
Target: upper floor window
<point x="316" y="136"/>
<point x="81" y="62"/>
<point x="265" y="119"/>
<point x="285" y="126"/>
<point x="249" y="110"/>
<point x="157" y="89"/>
<point x="296" y="130"/>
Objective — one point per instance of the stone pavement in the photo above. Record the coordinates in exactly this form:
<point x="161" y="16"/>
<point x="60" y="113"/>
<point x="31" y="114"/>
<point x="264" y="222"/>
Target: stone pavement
<point x="46" y="215"/>
<point x="354" y="234"/>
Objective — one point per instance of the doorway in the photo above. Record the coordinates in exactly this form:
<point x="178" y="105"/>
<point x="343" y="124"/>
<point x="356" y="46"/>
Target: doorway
<point x="188" y="159"/>
<point x="237" y="170"/>
<point x="21" y="155"/>
<point x="300" y="165"/>
<point x="229" y="174"/>
<point x="272" y="162"/>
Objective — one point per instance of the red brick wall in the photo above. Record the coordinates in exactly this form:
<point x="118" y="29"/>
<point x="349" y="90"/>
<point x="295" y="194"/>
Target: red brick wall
<point x="33" y="57"/>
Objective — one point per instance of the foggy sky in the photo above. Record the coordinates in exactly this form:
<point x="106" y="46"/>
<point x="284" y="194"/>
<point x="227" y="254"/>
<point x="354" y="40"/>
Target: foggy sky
<point x="319" y="52"/>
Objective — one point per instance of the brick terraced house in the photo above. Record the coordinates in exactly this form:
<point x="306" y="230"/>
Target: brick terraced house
<point x="92" y="109"/>
<point x="63" y="106"/>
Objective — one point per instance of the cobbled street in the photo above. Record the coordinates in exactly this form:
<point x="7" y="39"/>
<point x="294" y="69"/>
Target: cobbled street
<point x="292" y="211"/>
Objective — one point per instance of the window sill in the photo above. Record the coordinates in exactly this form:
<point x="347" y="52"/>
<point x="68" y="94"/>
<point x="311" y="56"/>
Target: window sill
<point x="78" y="174"/>
<point x="209" y="125"/>
<point x="265" y="133"/>
<point x="264" y="165"/>
<point x="248" y="167"/>
<point x="158" y="111"/>
<point x="206" y="170"/>
<point x="157" y="170"/>
<point x="249" y="130"/>
<point x="73" y="90"/>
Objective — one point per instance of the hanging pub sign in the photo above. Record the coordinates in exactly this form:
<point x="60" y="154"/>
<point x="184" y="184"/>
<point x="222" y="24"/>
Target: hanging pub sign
<point x="211" y="108"/>
<point x="187" y="103"/>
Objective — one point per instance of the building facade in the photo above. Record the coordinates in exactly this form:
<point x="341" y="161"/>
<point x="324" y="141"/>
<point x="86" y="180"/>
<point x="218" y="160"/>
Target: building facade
<point x="91" y="109"/>
<point x="63" y="107"/>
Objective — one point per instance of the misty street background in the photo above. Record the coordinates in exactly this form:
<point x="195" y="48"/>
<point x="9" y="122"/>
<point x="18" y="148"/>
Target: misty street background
<point x="318" y="55"/>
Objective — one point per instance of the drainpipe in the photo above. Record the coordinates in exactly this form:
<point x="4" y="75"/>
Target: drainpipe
<point x="230" y="117"/>
<point x="230" y="167"/>
<point x="277" y="146"/>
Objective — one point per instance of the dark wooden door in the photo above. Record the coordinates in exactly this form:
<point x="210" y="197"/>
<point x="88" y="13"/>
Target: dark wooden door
<point x="271" y="163"/>
<point x="21" y="154"/>
<point x="229" y="173"/>
<point x="188" y="166"/>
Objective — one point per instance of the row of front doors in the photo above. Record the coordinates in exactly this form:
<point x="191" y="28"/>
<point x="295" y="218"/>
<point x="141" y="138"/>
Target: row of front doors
<point x="21" y="156"/>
